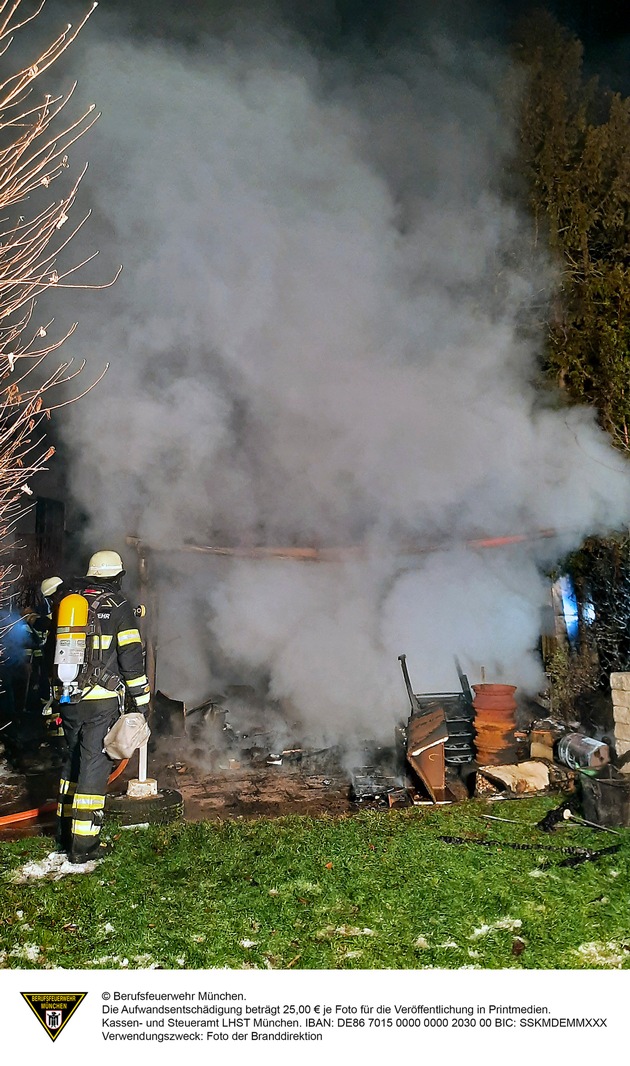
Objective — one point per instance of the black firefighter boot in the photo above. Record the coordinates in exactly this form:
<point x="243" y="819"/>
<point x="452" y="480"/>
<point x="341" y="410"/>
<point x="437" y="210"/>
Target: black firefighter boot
<point x="95" y="853"/>
<point x="63" y="832"/>
<point x="89" y="847"/>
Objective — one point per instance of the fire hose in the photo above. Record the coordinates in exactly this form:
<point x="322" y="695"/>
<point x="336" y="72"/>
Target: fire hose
<point x="47" y="808"/>
<point x="576" y="855"/>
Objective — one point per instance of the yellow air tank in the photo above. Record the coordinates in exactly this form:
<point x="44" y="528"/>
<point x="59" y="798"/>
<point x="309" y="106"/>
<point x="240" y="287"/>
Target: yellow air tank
<point x="70" y="650"/>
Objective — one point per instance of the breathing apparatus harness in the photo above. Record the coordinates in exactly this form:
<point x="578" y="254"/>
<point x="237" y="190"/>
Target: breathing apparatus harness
<point x="79" y="652"/>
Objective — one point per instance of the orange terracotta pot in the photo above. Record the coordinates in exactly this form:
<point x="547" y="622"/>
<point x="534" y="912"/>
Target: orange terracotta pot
<point x="491" y="703"/>
<point x="494" y="690"/>
<point x="496" y="715"/>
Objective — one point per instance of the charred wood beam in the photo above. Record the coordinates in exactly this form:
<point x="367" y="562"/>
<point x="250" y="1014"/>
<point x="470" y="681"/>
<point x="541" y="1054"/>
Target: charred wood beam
<point x="306" y="553"/>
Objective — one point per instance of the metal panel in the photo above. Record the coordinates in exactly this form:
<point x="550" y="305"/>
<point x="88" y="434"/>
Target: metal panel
<point x="427" y="734"/>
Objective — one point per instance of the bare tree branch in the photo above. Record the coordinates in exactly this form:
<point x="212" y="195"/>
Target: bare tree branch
<point x="33" y="155"/>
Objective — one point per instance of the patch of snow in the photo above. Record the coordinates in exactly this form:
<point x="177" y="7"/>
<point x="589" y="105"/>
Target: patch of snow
<point x="508" y="923"/>
<point x="611" y="954"/>
<point x="352" y="930"/>
<point x="25" y="951"/>
<point x="143" y="962"/>
<point x="544" y="873"/>
<point x="344" y="930"/>
<point x="306" y="888"/>
<point x="6" y="772"/>
<point x="502" y="923"/>
<point x="52" y="868"/>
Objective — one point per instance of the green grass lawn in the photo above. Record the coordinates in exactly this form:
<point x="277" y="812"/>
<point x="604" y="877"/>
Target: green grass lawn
<point x="378" y="889"/>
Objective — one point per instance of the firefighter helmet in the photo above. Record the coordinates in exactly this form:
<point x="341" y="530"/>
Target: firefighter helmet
<point x="105" y="564"/>
<point x="50" y="585"/>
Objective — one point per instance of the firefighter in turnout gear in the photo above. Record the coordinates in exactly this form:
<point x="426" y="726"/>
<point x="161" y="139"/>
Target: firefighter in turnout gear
<point x="44" y="626"/>
<point x="51" y="593"/>
<point x="114" y="669"/>
<point x="38" y="617"/>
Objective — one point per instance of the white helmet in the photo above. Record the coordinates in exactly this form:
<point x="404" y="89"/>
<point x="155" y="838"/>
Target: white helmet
<point x="105" y="564"/>
<point x="50" y="585"/>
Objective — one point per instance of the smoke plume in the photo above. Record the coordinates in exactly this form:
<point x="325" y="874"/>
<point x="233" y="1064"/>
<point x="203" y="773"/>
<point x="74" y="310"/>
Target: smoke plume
<point x="323" y="336"/>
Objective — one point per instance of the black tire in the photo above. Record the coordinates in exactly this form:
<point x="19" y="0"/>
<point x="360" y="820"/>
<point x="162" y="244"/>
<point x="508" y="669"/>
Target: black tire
<point x="167" y="806"/>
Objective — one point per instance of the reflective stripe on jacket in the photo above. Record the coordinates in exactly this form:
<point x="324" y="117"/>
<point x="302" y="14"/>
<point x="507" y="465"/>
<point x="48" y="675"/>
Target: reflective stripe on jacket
<point x="118" y="629"/>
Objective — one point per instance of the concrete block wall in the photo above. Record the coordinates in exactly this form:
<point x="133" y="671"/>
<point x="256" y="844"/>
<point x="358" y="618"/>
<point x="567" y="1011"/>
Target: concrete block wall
<point x="620" y="689"/>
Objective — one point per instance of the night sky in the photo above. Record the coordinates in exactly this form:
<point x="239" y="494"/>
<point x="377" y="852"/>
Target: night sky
<point x="597" y="23"/>
<point x="603" y="27"/>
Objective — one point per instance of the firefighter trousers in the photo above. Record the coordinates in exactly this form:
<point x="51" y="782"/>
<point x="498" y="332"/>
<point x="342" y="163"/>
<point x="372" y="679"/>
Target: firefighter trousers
<point x="84" y="773"/>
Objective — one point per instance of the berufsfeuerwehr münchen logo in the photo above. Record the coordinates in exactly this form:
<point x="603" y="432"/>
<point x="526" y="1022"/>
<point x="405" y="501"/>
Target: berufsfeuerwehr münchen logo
<point x="53" y="1009"/>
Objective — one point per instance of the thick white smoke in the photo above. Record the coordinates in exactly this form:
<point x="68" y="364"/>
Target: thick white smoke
<point x="317" y="339"/>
